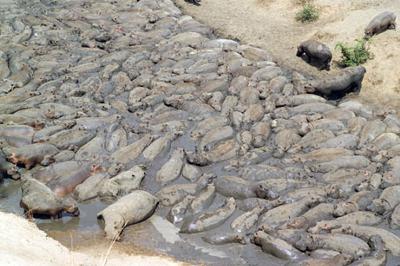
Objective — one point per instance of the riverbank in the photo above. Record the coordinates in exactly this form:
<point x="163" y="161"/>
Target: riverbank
<point x="22" y="243"/>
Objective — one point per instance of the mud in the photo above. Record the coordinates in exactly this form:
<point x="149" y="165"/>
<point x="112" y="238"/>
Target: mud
<point x="136" y="96"/>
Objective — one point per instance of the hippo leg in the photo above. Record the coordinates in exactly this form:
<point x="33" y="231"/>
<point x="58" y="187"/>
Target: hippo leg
<point x="29" y="215"/>
<point x="324" y="66"/>
<point x="29" y="164"/>
<point x="195" y="2"/>
<point x="327" y="65"/>
<point x="356" y="87"/>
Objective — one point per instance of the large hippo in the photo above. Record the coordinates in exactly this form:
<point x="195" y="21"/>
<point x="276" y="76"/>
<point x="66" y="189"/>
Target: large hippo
<point x="315" y="53"/>
<point x="38" y="199"/>
<point x="337" y="85"/>
<point x="381" y="23"/>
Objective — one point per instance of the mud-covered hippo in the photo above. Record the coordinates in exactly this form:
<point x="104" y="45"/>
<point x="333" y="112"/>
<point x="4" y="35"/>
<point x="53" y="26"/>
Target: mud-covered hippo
<point x="381" y="23"/>
<point x="315" y="53"/>
<point x="38" y="199"/>
<point x="336" y="86"/>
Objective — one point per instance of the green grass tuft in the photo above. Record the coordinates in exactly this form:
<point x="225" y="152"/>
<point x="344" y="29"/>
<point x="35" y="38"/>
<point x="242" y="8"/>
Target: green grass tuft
<point x="309" y="13"/>
<point x="354" y="55"/>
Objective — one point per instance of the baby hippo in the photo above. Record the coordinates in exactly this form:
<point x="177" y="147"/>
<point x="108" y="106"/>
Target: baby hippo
<point x="315" y="53"/>
<point x="338" y="85"/>
<point x="381" y="23"/>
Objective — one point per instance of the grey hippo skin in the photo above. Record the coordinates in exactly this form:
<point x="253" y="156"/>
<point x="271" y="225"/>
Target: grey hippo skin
<point x="336" y="86"/>
<point x="315" y="53"/>
<point x="382" y="22"/>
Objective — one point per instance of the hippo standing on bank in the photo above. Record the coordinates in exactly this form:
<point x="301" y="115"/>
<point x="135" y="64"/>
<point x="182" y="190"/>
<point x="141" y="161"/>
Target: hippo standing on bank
<point x="338" y="85"/>
<point x="315" y="53"/>
<point x="381" y="23"/>
<point x="194" y="2"/>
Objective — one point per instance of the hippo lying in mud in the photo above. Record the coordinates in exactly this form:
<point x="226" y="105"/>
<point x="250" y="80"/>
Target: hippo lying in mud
<point x="38" y="199"/>
<point x="381" y="23"/>
<point x="194" y="2"/>
<point x="315" y="53"/>
<point x="130" y="209"/>
<point x="338" y="85"/>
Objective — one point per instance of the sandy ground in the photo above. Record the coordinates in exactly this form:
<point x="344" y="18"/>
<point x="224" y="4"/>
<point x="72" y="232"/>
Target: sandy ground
<point x="22" y="243"/>
<point x="271" y="24"/>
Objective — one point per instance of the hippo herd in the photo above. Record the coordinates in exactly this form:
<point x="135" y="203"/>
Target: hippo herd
<point x="319" y="55"/>
<point x="136" y="105"/>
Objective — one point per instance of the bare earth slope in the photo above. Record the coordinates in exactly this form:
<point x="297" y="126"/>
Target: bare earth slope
<point x="270" y="24"/>
<point x="22" y="243"/>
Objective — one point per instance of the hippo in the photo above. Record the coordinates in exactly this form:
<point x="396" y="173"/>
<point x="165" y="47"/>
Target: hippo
<point x="381" y="23"/>
<point x="194" y="2"/>
<point x="338" y="85"/>
<point x="315" y="53"/>
<point x="38" y="200"/>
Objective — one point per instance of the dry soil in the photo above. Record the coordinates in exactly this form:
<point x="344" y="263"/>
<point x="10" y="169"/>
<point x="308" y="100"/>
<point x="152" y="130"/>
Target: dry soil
<point x="271" y="24"/>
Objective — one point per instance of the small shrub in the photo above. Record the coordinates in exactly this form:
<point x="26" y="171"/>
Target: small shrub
<point x="354" y="55"/>
<point x="309" y="13"/>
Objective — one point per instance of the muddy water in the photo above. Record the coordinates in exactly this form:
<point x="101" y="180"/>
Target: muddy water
<point x="175" y="65"/>
<point x="154" y="236"/>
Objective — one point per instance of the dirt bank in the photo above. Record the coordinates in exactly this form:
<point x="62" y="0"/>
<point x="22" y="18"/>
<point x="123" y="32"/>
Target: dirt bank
<point x="22" y="243"/>
<point x="270" y="24"/>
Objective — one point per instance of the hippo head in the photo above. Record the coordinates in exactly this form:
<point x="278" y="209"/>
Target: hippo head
<point x="95" y="168"/>
<point x="13" y="158"/>
<point x="71" y="207"/>
<point x="308" y="87"/>
<point x="368" y="33"/>
<point x="378" y="206"/>
<point x="363" y="70"/>
<point x="297" y="222"/>
<point x="256" y="238"/>
<point x="299" y="52"/>
<point x="114" y="224"/>
<point x="344" y="208"/>
<point x="73" y="210"/>
<point x="38" y="124"/>
<point x="264" y="192"/>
